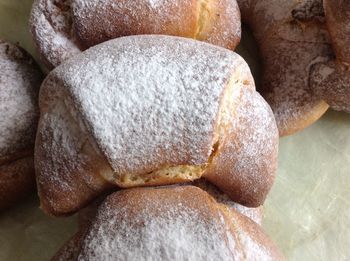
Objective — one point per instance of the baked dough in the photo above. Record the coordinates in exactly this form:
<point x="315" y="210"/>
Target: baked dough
<point x="20" y="79"/>
<point x="87" y="214"/>
<point x="291" y="36"/>
<point x="168" y="223"/>
<point x="255" y="214"/>
<point x="330" y="79"/>
<point x="63" y="28"/>
<point x="152" y="110"/>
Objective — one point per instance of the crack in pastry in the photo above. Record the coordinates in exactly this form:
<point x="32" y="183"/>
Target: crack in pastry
<point x="156" y="110"/>
<point x="182" y="173"/>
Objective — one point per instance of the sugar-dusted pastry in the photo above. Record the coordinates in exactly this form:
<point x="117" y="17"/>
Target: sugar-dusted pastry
<point x="152" y="110"/>
<point x="168" y="223"/>
<point x="330" y="79"/>
<point x="63" y="28"/>
<point x="255" y="214"/>
<point x="87" y="214"/>
<point x="20" y="79"/>
<point x="291" y="36"/>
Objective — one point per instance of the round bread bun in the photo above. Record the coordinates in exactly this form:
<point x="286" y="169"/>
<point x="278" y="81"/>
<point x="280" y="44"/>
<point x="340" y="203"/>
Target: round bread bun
<point x="20" y="79"/>
<point x="168" y="223"/>
<point x="62" y="28"/>
<point x="291" y="37"/>
<point x="152" y="110"/>
<point x="330" y="80"/>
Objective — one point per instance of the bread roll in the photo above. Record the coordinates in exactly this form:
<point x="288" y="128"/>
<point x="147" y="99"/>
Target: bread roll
<point x="168" y="223"/>
<point x="20" y="79"/>
<point x="152" y="110"/>
<point x="255" y="214"/>
<point x="330" y="79"/>
<point x="62" y="28"/>
<point x="87" y="214"/>
<point x="291" y="37"/>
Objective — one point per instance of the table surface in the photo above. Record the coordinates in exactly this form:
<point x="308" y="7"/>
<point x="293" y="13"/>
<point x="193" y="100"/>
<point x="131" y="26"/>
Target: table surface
<point x="307" y="212"/>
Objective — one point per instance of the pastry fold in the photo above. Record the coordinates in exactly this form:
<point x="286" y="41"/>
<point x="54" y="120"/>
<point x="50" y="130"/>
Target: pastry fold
<point x="152" y="110"/>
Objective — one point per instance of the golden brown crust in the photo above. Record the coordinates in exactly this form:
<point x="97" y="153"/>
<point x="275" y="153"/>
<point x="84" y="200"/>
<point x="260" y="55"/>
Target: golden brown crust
<point x="62" y="29"/>
<point x="97" y="22"/>
<point x="287" y="89"/>
<point x="243" y="145"/>
<point x="79" y="154"/>
<point x="221" y="23"/>
<point x="220" y="234"/>
<point x="87" y="214"/>
<point x="255" y="214"/>
<point x="291" y="37"/>
<point x="248" y="232"/>
<point x="74" y="181"/>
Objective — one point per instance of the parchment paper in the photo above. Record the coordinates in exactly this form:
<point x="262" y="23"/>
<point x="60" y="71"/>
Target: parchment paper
<point x="307" y="213"/>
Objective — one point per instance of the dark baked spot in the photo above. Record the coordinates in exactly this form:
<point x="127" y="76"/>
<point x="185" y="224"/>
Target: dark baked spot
<point x="308" y="11"/>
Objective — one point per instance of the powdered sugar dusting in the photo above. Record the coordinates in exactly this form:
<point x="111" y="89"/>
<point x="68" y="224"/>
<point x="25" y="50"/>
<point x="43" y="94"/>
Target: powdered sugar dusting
<point x="51" y="27"/>
<point x="20" y="79"/>
<point x="162" y="229"/>
<point x="62" y="140"/>
<point x="255" y="161"/>
<point x="254" y="250"/>
<point x="176" y="238"/>
<point x="155" y="3"/>
<point x="150" y="101"/>
<point x="258" y="150"/>
<point x="251" y="148"/>
<point x="255" y="244"/>
<point x="95" y="21"/>
<point x="255" y="214"/>
<point x="168" y="223"/>
<point x="132" y="17"/>
<point x="67" y="162"/>
<point x="62" y="28"/>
